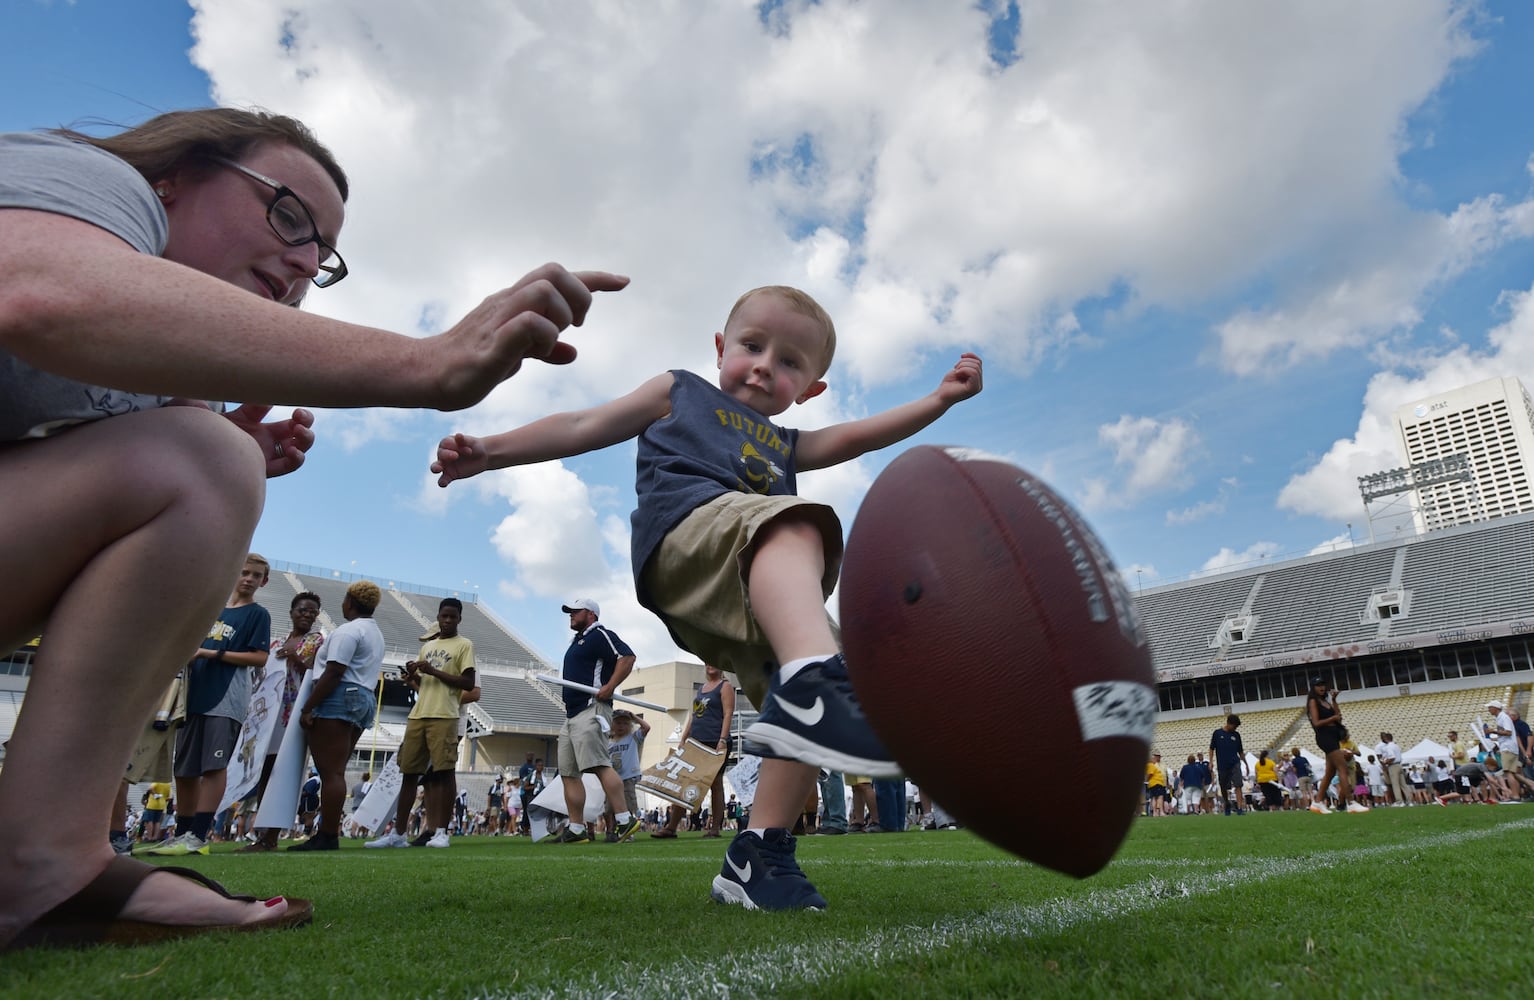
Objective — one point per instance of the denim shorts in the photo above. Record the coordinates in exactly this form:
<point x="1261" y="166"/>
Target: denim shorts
<point x="349" y="703"/>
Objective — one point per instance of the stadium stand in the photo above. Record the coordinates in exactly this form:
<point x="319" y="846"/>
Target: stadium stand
<point x="1453" y="636"/>
<point x="516" y="705"/>
<point x="1470" y="578"/>
<point x="1180" y="620"/>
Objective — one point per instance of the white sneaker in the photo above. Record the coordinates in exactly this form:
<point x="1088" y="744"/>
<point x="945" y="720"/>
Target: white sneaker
<point x="1354" y="807"/>
<point x="389" y="840"/>
<point x="1320" y="808"/>
<point x="439" y="839"/>
<point x="187" y="843"/>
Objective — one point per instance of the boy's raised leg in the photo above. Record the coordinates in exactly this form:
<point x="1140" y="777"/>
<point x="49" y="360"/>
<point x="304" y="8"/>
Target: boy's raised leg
<point x="811" y="713"/>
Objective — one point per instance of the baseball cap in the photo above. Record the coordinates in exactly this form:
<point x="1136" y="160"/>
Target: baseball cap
<point x="581" y="604"/>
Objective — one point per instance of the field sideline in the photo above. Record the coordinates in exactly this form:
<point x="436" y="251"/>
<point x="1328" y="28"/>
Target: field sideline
<point x="1396" y="903"/>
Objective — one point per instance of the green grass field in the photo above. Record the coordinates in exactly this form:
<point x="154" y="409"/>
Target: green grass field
<point x="1427" y="902"/>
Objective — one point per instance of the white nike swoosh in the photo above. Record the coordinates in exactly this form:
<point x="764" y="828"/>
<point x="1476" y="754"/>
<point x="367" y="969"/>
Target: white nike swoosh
<point x="744" y="874"/>
<point x="805" y="716"/>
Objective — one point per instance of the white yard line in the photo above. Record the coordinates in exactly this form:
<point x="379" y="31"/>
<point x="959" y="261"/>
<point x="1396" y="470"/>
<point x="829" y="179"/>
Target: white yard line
<point x="770" y="970"/>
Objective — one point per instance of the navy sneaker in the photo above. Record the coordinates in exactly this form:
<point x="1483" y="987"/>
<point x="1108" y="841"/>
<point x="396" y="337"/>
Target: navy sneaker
<point x="760" y="873"/>
<point x="815" y="718"/>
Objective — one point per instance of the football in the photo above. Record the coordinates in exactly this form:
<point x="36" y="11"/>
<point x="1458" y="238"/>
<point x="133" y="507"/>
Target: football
<point x="995" y="651"/>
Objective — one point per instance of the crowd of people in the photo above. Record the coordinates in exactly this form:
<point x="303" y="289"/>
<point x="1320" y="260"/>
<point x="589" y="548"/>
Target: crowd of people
<point x="1494" y="766"/>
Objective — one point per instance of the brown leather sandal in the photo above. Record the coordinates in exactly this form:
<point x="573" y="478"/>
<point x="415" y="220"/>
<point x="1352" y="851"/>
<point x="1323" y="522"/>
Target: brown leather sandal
<point x="92" y="915"/>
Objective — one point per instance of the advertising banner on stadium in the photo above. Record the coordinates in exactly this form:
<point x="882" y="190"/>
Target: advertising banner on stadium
<point x="685" y="776"/>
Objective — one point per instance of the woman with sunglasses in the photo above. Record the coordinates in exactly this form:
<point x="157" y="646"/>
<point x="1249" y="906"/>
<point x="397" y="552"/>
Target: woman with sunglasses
<point x="141" y="271"/>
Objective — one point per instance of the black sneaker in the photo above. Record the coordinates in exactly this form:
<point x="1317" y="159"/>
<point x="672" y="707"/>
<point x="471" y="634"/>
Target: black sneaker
<point x="626" y="830"/>
<point x="421" y="840"/>
<point x="569" y="836"/>
<point x="815" y="718"/>
<point x="121" y="843"/>
<point x="318" y="842"/>
<point x="760" y="873"/>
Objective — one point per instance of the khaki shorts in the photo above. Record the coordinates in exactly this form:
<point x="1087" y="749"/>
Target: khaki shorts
<point x="431" y="742"/>
<point x="696" y="580"/>
<point x="582" y="743"/>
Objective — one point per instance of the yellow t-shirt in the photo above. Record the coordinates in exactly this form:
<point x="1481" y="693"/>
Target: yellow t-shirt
<point x="1267" y="770"/>
<point x="159" y="794"/>
<point x="451" y="656"/>
<point x="1154" y="775"/>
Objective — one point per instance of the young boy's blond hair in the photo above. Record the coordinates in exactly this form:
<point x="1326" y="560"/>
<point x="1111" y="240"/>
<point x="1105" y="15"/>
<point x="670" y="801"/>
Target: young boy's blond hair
<point x="801" y="302"/>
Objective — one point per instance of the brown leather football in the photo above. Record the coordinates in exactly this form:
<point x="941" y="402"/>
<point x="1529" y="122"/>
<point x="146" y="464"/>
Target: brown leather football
<point x="995" y="651"/>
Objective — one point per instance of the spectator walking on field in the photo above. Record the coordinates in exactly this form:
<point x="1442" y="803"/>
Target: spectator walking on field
<point x="1191" y="777"/>
<point x="1326" y="720"/>
<point x="1230" y="762"/>
<point x="833" y="802"/>
<point x="1503" y="731"/>
<point x="596" y="658"/>
<point x="217" y="695"/>
<point x="1304" y="777"/>
<point x="1267" y="782"/>
<point x="1388" y="755"/>
<point x="294" y="654"/>
<point x="1525" y="739"/>
<point x="341" y="704"/>
<point x="1155" y="787"/>
<point x="526" y="790"/>
<point x="713" y="711"/>
<point x="444" y="672"/>
<point x="625" y="745"/>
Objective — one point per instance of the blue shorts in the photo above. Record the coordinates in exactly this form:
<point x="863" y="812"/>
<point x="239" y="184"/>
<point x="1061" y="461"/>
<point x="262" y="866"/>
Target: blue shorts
<point x="349" y="703"/>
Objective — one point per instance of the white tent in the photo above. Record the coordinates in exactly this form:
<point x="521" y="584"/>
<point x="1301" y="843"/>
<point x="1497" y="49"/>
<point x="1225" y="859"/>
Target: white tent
<point x="1426" y="749"/>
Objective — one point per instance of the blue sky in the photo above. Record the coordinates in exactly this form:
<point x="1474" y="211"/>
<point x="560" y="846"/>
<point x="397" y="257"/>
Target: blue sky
<point x="1204" y="252"/>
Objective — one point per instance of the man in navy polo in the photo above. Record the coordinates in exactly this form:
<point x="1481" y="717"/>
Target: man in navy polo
<point x="596" y="658"/>
<point x="1229" y="761"/>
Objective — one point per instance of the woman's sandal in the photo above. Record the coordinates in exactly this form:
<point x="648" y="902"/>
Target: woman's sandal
<point x="92" y="915"/>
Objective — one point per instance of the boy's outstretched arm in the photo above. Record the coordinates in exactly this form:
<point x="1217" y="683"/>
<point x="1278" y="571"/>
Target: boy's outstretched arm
<point x="839" y="443"/>
<point x="560" y="435"/>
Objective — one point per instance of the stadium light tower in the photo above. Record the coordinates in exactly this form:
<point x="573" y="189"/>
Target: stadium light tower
<point x="1399" y="484"/>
